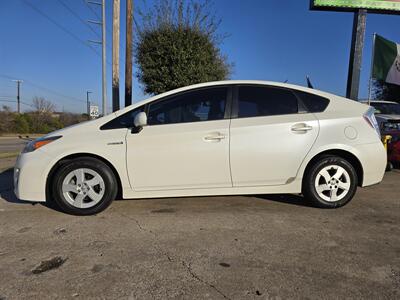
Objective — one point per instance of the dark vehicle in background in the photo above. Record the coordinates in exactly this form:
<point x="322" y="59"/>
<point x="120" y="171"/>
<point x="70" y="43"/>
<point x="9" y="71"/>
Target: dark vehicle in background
<point x="387" y="114"/>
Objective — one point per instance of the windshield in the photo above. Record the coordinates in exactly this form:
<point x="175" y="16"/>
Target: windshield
<point x="387" y="108"/>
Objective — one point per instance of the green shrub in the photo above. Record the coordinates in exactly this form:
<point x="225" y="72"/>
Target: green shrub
<point x="21" y="124"/>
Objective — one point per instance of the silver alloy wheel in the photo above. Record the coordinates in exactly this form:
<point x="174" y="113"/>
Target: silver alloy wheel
<point x="83" y="188"/>
<point x="332" y="183"/>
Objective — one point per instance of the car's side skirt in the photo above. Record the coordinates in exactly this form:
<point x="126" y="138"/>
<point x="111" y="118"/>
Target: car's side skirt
<point x="291" y="188"/>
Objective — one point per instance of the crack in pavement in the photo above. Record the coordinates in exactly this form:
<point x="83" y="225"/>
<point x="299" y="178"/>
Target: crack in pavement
<point x="138" y="224"/>
<point x="195" y="276"/>
<point x="188" y="267"/>
<point x="142" y="228"/>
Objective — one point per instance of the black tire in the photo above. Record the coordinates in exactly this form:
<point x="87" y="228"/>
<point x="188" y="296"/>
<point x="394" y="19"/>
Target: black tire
<point x="106" y="174"/>
<point x="389" y="166"/>
<point x="309" y="181"/>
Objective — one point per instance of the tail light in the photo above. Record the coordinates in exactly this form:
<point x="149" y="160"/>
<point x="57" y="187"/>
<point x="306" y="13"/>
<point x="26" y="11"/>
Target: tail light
<point x="369" y="117"/>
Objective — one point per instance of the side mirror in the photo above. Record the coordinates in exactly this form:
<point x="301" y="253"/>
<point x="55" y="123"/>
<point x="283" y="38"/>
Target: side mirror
<point x="140" y="120"/>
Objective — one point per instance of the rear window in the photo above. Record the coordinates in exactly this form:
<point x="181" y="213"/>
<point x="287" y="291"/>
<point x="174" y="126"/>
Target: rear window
<point x="313" y="102"/>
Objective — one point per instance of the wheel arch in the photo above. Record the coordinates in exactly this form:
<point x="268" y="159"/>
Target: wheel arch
<point x="62" y="160"/>
<point x="350" y="157"/>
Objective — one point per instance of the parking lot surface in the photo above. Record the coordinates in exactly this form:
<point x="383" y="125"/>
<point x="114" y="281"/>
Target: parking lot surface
<point x="253" y="247"/>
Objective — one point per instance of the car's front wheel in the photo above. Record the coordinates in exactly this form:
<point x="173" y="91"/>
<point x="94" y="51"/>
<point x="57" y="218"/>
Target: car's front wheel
<point x="330" y="182"/>
<point x="84" y="186"/>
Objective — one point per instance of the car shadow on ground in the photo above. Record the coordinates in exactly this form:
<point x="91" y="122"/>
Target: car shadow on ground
<point x="286" y="198"/>
<point x="7" y="187"/>
<point x="7" y="193"/>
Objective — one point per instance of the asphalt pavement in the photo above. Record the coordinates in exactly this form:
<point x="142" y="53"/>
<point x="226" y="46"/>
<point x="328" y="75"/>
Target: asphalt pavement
<point x="253" y="247"/>
<point x="12" y="143"/>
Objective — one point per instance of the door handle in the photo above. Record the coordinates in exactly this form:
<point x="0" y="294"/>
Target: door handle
<point x="214" y="137"/>
<point x="301" y="128"/>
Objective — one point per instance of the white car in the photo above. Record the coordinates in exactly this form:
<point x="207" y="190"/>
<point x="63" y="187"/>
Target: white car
<point x="219" y="138"/>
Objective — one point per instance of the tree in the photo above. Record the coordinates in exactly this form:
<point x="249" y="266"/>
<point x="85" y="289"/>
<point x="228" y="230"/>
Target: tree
<point x="385" y="91"/>
<point x="41" y="118"/>
<point x="43" y="106"/>
<point x="177" y="45"/>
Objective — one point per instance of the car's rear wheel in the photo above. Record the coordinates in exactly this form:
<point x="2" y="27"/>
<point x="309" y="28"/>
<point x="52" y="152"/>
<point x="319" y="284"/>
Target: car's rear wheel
<point x="84" y="186"/>
<point x="330" y="182"/>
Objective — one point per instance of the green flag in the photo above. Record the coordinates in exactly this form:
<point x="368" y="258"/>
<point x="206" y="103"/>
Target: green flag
<point x="386" y="64"/>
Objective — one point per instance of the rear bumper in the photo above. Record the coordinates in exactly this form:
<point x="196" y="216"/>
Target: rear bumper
<point x="373" y="159"/>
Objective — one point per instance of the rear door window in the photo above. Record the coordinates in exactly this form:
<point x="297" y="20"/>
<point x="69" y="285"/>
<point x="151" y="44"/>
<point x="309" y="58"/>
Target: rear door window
<point x="257" y="101"/>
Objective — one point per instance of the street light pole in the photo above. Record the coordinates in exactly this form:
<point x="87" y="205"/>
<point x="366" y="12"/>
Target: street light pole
<point x="103" y="42"/>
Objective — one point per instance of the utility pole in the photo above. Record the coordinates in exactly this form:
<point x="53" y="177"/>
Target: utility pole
<point x="128" y="53"/>
<point x="103" y="35"/>
<point x="88" y="103"/>
<point x="115" y="55"/>
<point x="18" y="94"/>
<point x="357" y="45"/>
<point x="103" y="43"/>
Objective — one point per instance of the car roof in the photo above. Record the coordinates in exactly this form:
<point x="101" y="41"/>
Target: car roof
<point x="228" y="82"/>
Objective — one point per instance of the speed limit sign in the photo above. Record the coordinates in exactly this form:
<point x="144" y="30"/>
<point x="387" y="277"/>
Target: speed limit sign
<point x="94" y="111"/>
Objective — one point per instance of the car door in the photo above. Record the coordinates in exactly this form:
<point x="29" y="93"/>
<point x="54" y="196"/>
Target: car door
<point x="185" y="144"/>
<point x="270" y="135"/>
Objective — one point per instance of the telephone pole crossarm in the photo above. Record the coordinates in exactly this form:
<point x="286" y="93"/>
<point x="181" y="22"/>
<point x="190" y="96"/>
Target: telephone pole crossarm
<point x="95" y="22"/>
<point x="95" y="42"/>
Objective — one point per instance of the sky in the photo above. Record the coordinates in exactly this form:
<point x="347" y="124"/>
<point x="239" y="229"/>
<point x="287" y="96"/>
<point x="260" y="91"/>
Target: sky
<point x="44" y="43"/>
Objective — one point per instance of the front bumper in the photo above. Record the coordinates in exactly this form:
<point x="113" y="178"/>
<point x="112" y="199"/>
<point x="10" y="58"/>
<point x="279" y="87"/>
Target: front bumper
<point x="30" y="175"/>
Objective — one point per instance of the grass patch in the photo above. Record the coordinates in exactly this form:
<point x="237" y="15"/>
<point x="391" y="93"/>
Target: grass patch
<point x="8" y="154"/>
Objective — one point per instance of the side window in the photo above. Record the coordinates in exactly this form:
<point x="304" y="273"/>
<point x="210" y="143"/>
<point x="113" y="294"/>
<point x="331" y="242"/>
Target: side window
<point x="313" y="103"/>
<point x="255" y="101"/>
<point x="124" y="121"/>
<point x="195" y="106"/>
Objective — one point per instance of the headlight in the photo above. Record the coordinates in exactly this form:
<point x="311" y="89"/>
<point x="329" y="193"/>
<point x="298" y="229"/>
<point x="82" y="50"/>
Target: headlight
<point x="40" y="142"/>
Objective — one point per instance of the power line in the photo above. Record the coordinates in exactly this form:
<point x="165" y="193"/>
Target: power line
<point x="60" y="26"/>
<point x="84" y="22"/>
<point x="98" y="22"/>
<point x="44" y="88"/>
<point x="79" y="18"/>
<point x="93" y="11"/>
<point x="13" y="101"/>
